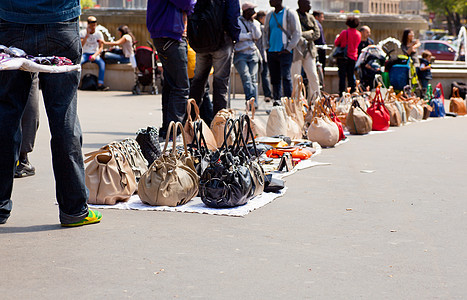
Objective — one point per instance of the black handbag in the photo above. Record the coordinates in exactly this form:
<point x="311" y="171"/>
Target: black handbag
<point x="148" y="140"/>
<point x="227" y="180"/>
<point x="198" y="148"/>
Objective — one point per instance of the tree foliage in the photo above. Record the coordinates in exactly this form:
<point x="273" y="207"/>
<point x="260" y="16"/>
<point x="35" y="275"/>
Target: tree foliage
<point x="87" y="4"/>
<point x="453" y="10"/>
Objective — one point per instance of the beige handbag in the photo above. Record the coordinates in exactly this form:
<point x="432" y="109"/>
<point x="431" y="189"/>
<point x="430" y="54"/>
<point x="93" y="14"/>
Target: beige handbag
<point x="457" y="104"/>
<point x="277" y="122"/>
<point x="109" y="176"/>
<point x="294" y="129"/>
<point x="257" y="126"/>
<point x="132" y="152"/>
<point x="171" y="179"/>
<point x="322" y="129"/>
<point x="357" y="120"/>
<point x="394" y="114"/>
<point x="189" y="126"/>
<point x="218" y="125"/>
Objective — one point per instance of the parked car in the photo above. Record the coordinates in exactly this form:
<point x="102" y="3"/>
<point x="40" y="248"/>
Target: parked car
<point x="439" y="49"/>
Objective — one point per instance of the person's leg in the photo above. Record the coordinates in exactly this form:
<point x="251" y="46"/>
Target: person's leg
<point x="285" y="64"/>
<point x="117" y="57"/>
<point x="265" y="81"/>
<point x="205" y="110"/>
<point x="275" y="71"/>
<point x="341" y="71"/>
<point x="100" y="62"/>
<point x="173" y="56"/>
<point x="351" y="74"/>
<point x="85" y="58"/>
<point x="202" y="69"/>
<point x="322" y="58"/>
<point x="296" y="67"/>
<point x="309" y="65"/>
<point x="60" y="99"/>
<point x="241" y="63"/>
<point x="29" y="126"/>
<point x="253" y="69"/>
<point x="222" y="63"/>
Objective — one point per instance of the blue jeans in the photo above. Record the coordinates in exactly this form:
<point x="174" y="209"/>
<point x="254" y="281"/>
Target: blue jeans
<point x="265" y="79"/>
<point x="247" y="67"/>
<point x="173" y="56"/>
<point x="99" y="61"/>
<point x="279" y="68"/>
<point x="221" y="60"/>
<point x="117" y="57"/>
<point x="60" y="99"/>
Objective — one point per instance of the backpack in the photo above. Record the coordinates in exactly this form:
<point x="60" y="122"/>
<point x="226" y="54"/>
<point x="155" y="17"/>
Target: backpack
<point x="205" y="27"/>
<point x="89" y="82"/>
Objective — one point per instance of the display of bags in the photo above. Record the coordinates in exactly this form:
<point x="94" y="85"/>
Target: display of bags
<point x="189" y="132"/>
<point x="148" y="140"/>
<point x="171" y="179"/>
<point x="109" y="177"/>
<point x="322" y="129"/>
<point x="457" y="104"/>
<point x="402" y="111"/>
<point x="379" y="113"/>
<point x="358" y="121"/>
<point x="227" y="181"/>
<point x="257" y="126"/>
<point x="394" y="113"/>
<point x="218" y="125"/>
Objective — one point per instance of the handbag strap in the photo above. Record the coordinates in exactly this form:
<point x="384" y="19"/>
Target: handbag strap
<point x="246" y="122"/>
<point x="279" y="25"/>
<point x="172" y="130"/>
<point x="189" y="104"/>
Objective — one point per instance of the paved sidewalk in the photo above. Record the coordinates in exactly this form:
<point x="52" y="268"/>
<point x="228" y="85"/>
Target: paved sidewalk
<point x="399" y="232"/>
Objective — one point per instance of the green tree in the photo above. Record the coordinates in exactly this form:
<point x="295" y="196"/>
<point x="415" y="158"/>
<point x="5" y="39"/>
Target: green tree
<point x="453" y="10"/>
<point x="87" y="4"/>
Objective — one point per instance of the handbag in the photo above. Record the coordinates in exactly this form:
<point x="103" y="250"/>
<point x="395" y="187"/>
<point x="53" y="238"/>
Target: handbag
<point x="402" y="112"/>
<point x="189" y="131"/>
<point x="132" y="152"/>
<point x="257" y="126"/>
<point x="457" y="104"/>
<point x="227" y="180"/>
<point x="358" y="121"/>
<point x="277" y="122"/>
<point x="256" y="171"/>
<point x="108" y="176"/>
<point x="437" y="105"/>
<point x="148" y="140"/>
<point x="394" y="113"/>
<point x="218" y="125"/>
<point x="171" y="179"/>
<point x="322" y="129"/>
<point x="329" y="106"/>
<point x="379" y="113"/>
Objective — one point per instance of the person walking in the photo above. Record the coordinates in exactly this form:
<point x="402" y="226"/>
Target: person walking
<point x="263" y="62"/>
<point x="349" y="39"/>
<point x="319" y="17"/>
<point x="48" y="29"/>
<point x="220" y="59"/>
<point x="246" y="56"/>
<point x="166" y="22"/>
<point x="92" y="42"/>
<point x="282" y="31"/>
<point x="366" y="41"/>
<point x="307" y="59"/>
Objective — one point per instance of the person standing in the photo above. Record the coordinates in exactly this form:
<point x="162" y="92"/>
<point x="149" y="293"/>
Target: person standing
<point x="48" y="29"/>
<point x="166" y="22"/>
<point x="410" y="45"/>
<point x="365" y="32"/>
<point x="263" y="65"/>
<point x="349" y="38"/>
<point x="246" y="57"/>
<point x="220" y="59"/>
<point x="282" y="31"/>
<point x="319" y="17"/>
<point x="92" y="42"/>
<point x="307" y="59"/>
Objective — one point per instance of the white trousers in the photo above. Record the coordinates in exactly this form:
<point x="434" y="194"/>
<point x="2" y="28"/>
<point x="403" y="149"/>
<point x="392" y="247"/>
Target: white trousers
<point x="309" y="65"/>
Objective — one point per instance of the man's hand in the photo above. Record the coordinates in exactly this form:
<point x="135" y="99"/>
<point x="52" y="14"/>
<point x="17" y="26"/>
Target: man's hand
<point x="285" y="51"/>
<point x="92" y="57"/>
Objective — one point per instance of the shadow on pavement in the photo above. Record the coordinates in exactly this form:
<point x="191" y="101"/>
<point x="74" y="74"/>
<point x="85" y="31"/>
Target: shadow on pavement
<point x="26" y="229"/>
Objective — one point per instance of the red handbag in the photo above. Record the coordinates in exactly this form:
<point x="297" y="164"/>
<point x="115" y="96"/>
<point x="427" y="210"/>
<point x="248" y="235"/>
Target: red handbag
<point x="379" y="113"/>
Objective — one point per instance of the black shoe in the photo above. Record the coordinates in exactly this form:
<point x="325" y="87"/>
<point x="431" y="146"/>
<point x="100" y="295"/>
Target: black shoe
<point x="276" y="103"/>
<point x="24" y="169"/>
<point x="3" y="221"/>
<point x="102" y="88"/>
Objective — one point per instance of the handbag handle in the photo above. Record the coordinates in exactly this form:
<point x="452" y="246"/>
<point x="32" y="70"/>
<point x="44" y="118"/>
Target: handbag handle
<point x="192" y="102"/>
<point x="229" y="126"/>
<point x="173" y="127"/>
<point x="455" y="92"/>
<point x="246" y="119"/>
<point x="250" y="105"/>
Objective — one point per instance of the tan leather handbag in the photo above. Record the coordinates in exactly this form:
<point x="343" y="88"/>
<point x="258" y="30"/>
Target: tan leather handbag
<point x="109" y="176"/>
<point x="357" y="120"/>
<point x="257" y="126"/>
<point x="218" y="125"/>
<point x="171" y="179"/>
<point x="277" y="122"/>
<point x="189" y="126"/>
<point x="394" y="113"/>
<point x="322" y="129"/>
<point x="457" y="104"/>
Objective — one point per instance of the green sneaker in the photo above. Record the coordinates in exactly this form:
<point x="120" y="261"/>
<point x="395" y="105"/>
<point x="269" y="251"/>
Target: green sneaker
<point x="93" y="217"/>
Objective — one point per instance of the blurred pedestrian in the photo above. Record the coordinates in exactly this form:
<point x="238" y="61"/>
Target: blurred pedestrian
<point x="307" y="59"/>
<point x="126" y="42"/>
<point x="349" y="39"/>
<point x="246" y="56"/>
<point x="424" y="72"/>
<point x="319" y="17"/>
<point x="263" y="63"/>
<point x="365" y="32"/>
<point x="283" y="31"/>
<point x="55" y="24"/>
<point x="410" y="45"/>
<point x="166" y="22"/>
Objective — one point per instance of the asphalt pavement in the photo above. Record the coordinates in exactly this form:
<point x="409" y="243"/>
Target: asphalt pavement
<point x="386" y="220"/>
